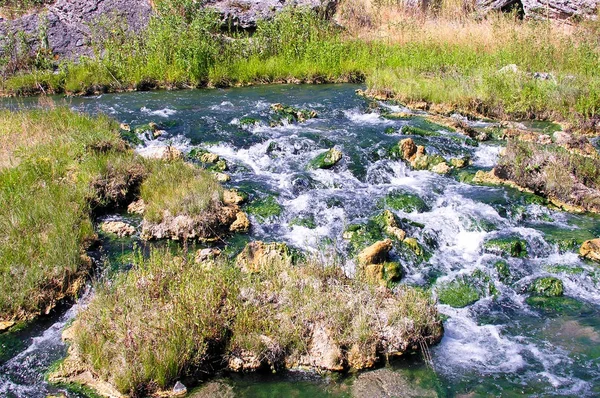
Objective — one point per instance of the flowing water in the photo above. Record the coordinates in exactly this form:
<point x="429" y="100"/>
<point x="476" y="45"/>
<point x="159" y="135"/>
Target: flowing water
<point x="505" y="344"/>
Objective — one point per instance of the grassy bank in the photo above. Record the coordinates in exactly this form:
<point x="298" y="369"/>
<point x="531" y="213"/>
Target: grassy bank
<point x="57" y="166"/>
<point x="170" y="318"/>
<point x="445" y="57"/>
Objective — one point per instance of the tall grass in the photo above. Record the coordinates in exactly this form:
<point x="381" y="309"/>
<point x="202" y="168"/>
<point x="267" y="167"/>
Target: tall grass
<point x="56" y="166"/>
<point x="169" y="318"/>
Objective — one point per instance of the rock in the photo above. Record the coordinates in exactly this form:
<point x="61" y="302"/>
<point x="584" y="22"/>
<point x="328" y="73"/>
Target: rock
<point x="214" y="389"/>
<point x="391" y="226"/>
<point x="362" y="356"/>
<point x="376" y="253"/>
<point x="414" y="245"/>
<point x="241" y="223"/>
<point x="385" y="383"/>
<point x="257" y="255"/>
<point x="591" y="250"/>
<point x="244" y="14"/>
<point x="67" y="23"/>
<point x="125" y="127"/>
<point x="179" y="390"/>
<point x="383" y="274"/>
<point x="203" y="255"/>
<point x="166" y="153"/>
<point x="209" y="158"/>
<point x="244" y="361"/>
<point x="326" y="160"/>
<point x="323" y="352"/>
<point x="547" y="287"/>
<point x="232" y="197"/>
<point x="441" y="168"/>
<point x="512" y="68"/>
<point x="544" y="139"/>
<point x="460" y="163"/>
<point x="408" y="149"/>
<point x="543" y="9"/>
<point x="222" y="177"/>
<point x="118" y="228"/>
<point x="5" y="325"/>
<point x="137" y="207"/>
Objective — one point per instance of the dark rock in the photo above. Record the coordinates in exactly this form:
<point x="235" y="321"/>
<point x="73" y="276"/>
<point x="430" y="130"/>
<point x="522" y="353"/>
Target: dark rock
<point x="552" y="9"/>
<point x="67" y="23"/>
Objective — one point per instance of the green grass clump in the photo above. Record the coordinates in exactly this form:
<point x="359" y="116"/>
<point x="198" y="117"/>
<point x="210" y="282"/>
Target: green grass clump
<point x="169" y="317"/>
<point x="56" y="167"/>
<point x="179" y="189"/>
<point x="548" y="287"/>
<point x="511" y="246"/>
<point x="265" y="208"/>
<point x="404" y="201"/>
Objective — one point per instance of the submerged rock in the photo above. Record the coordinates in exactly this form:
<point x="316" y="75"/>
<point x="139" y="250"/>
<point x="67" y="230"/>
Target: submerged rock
<point x="118" y="228"/>
<point x="591" y="250"/>
<point x="386" y="383"/>
<point x="213" y="389"/>
<point x="326" y="160"/>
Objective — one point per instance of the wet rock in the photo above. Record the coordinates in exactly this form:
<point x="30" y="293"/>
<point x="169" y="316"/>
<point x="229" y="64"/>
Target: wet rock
<point x="326" y="160"/>
<point x="209" y="157"/>
<point x="222" y="177"/>
<point x="547" y="287"/>
<point x="460" y="163"/>
<point x="385" y="383"/>
<point x="118" y="228"/>
<point x="591" y="250"/>
<point x="441" y="168"/>
<point x="408" y="149"/>
<point x="362" y="355"/>
<point x="376" y="253"/>
<point x="414" y="246"/>
<point x="256" y="255"/>
<point x="232" y="197"/>
<point x="385" y="274"/>
<point x="241" y="223"/>
<point x="203" y="255"/>
<point x="137" y="207"/>
<point x="179" y="390"/>
<point x="391" y="226"/>
<point x="324" y="352"/>
<point x="166" y="153"/>
<point x="511" y="246"/>
<point x="125" y="127"/>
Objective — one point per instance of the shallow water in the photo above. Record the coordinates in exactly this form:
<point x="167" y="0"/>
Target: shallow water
<point x="502" y="345"/>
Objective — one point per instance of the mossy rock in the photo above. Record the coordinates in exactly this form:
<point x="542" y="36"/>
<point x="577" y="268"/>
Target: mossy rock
<point x="465" y="176"/>
<point x="264" y="208"/>
<point x="307" y="222"/>
<point x="390" y="131"/>
<point x="248" y="121"/>
<point x="326" y="160"/>
<point x="507" y="246"/>
<point x="403" y="201"/>
<point x="363" y="235"/>
<point x="458" y="293"/>
<point x="503" y="270"/>
<point x="559" y="304"/>
<point x="556" y="269"/>
<point x="547" y="287"/>
<point x="131" y="137"/>
<point x="386" y="274"/>
<point x="413" y="130"/>
<point x="289" y="114"/>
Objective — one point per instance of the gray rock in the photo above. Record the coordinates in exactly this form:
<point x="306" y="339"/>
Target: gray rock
<point x="552" y="9"/>
<point x="385" y="383"/>
<point x="244" y="14"/>
<point x="67" y="23"/>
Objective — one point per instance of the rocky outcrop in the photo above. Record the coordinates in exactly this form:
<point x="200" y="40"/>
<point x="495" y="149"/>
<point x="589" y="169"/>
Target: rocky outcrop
<point x="258" y="255"/>
<point x="244" y="14"/>
<point x="68" y="23"/>
<point x="552" y="9"/>
<point x="591" y="250"/>
<point x="376" y="253"/>
<point x="118" y="228"/>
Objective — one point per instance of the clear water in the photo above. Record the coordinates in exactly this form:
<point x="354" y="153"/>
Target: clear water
<point x="499" y="346"/>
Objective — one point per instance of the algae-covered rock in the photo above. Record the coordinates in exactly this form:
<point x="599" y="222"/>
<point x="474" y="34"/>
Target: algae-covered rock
<point x="511" y="246"/>
<point x="264" y="208"/>
<point x="326" y="160"/>
<point x="547" y="287"/>
<point x="460" y="163"/>
<point x="404" y="201"/>
<point x="503" y="271"/>
<point x="376" y="253"/>
<point x="289" y="114"/>
<point x="458" y="294"/>
<point x="387" y="383"/>
<point x="257" y="255"/>
<point x="590" y="250"/>
<point x="385" y="274"/>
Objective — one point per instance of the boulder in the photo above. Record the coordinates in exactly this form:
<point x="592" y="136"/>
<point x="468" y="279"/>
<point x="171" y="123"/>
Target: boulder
<point x="257" y="255"/>
<point x="118" y="228"/>
<point x="232" y="197"/>
<point x="166" y="153"/>
<point x="408" y="149"/>
<point x="222" y="177"/>
<point x="327" y="159"/>
<point x="544" y="9"/>
<point x="67" y="23"/>
<point x="376" y="253"/>
<point x="385" y="274"/>
<point x="591" y="250"/>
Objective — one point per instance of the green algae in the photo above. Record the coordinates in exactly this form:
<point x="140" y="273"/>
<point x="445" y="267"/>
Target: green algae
<point x="507" y="246"/>
<point x="403" y="201"/>
<point x="547" y="287"/>
<point x="265" y="208"/>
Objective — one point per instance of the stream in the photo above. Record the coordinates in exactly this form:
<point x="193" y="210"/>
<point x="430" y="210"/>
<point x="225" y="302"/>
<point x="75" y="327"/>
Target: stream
<point x="504" y="344"/>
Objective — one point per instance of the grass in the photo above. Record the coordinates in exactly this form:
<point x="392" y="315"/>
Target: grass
<point x="179" y="189"/>
<point x="445" y="57"/>
<point x="169" y="318"/>
<point x="57" y="167"/>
